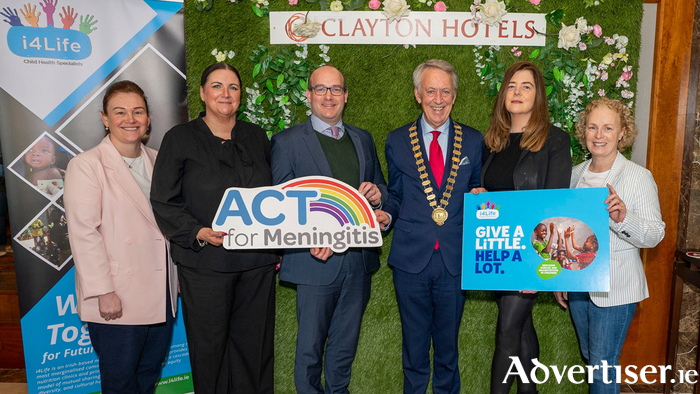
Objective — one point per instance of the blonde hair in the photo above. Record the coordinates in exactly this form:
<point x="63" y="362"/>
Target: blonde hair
<point x="627" y="121"/>
<point x="535" y="133"/>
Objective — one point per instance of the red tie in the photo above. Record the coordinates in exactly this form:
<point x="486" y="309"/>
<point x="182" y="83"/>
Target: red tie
<point x="437" y="164"/>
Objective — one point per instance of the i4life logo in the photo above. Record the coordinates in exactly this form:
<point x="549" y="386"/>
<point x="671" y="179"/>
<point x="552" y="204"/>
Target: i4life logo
<point x="55" y="40"/>
<point x="489" y="210"/>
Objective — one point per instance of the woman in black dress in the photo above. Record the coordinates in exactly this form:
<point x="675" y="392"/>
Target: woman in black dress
<point x="523" y="152"/>
<point x="228" y="297"/>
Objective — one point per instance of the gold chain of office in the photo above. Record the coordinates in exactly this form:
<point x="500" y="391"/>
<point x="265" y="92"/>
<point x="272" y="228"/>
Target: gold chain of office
<point x="439" y="214"/>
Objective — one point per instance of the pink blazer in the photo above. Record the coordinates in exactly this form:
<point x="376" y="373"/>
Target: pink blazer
<point x="114" y="238"/>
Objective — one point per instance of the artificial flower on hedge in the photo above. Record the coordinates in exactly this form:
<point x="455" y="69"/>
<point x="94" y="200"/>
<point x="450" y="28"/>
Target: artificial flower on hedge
<point x="394" y="10"/>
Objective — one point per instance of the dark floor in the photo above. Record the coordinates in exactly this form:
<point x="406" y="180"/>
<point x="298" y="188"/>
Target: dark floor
<point x="13" y="376"/>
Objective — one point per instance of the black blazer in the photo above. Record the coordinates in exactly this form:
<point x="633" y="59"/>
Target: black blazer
<point x="548" y="168"/>
<point x="192" y="171"/>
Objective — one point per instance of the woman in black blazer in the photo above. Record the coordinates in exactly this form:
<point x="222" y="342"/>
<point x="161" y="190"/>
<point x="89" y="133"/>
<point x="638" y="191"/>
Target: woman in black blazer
<point x="228" y="297"/>
<point x="523" y="152"/>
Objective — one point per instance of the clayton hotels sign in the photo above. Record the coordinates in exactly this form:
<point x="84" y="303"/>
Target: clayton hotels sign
<point x="418" y="28"/>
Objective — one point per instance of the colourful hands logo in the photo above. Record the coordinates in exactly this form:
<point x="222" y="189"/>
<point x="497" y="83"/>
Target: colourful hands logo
<point x="488" y="210"/>
<point x="50" y="41"/>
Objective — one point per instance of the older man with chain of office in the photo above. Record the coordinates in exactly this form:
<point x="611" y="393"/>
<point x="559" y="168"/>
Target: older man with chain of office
<point x="432" y="162"/>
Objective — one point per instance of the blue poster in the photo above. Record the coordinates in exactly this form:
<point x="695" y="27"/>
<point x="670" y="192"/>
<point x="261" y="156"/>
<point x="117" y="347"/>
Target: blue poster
<point x="60" y="359"/>
<point x="545" y="240"/>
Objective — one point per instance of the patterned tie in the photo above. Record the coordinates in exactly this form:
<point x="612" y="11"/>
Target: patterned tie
<point x="335" y="132"/>
<point x="437" y="164"/>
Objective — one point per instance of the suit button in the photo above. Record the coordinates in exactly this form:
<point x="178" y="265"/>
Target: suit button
<point x="129" y="240"/>
<point x="129" y="271"/>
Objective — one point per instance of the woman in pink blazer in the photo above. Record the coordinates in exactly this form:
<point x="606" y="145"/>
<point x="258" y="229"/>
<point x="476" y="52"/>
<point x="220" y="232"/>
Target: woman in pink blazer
<point x="125" y="281"/>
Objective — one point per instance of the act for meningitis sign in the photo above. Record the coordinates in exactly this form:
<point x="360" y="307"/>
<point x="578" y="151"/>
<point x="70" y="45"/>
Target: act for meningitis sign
<point x="308" y="212"/>
<point x="545" y="240"/>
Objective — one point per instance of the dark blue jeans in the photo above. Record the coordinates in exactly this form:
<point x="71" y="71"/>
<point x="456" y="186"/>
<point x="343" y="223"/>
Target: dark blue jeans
<point x="601" y="333"/>
<point x="131" y="356"/>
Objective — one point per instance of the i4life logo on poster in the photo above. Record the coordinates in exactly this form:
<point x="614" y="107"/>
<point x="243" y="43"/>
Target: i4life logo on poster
<point x="55" y="47"/>
<point x="54" y="40"/>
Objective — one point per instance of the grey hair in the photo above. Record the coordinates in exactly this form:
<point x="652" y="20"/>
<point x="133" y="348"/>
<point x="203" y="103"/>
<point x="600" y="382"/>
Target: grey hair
<point x="434" y="63"/>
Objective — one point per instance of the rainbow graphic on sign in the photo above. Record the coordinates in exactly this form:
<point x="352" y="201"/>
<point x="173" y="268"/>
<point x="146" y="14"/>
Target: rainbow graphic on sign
<point x="308" y="212"/>
<point x="339" y="200"/>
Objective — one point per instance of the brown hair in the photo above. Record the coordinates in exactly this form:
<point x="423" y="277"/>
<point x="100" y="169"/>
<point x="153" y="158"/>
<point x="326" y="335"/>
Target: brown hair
<point x="218" y="66"/>
<point x="626" y="121"/>
<point x="535" y="132"/>
<point x="123" y="87"/>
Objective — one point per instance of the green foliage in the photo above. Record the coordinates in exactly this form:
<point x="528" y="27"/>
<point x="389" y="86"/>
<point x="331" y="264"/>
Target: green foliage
<point x="381" y="99"/>
<point x="204" y="5"/>
<point x="283" y="78"/>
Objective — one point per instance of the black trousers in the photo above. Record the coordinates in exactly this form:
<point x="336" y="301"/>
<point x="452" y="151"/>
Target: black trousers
<point x="515" y="337"/>
<point x="230" y="323"/>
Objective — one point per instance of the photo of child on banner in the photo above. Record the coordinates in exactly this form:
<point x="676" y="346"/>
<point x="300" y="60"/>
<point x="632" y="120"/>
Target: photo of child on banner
<point x="43" y="165"/>
<point x="514" y="242"/>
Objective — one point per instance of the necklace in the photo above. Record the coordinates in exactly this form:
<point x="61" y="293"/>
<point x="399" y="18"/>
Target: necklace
<point x="439" y="214"/>
<point x="132" y="162"/>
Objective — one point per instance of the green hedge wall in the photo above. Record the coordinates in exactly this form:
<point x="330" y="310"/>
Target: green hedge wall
<point x="380" y="100"/>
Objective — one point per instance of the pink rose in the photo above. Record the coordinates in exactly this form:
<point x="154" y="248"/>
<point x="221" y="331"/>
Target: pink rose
<point x="597" y="31"/>
<point x="535" y="2"/>
<point x="293" y="2"/>
<point x="627" y="75"/>
<point x="375" y="4"/>
<point x="440" y="7"/>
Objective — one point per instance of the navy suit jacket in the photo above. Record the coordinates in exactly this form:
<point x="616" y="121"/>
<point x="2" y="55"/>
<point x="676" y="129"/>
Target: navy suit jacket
<point x="415" y="231"/>
<point x="296" y="152"/>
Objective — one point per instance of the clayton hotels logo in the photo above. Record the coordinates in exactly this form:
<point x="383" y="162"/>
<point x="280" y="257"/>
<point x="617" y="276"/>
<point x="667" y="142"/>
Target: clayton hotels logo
<point x="297" y="17"/>
<point x="308" y="212"/>
<point x="488" y="210"/>
<point x="56" y="39"/>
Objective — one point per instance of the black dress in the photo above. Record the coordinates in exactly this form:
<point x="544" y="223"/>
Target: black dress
<point x="227" y="296"/>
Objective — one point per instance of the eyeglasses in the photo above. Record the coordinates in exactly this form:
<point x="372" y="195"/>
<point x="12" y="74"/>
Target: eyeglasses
<point x="321" y="90"/>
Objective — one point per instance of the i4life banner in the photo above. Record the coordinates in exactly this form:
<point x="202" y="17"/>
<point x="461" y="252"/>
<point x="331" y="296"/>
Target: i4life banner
<point x="58" y="57"/>
<point x="545" y="240"/>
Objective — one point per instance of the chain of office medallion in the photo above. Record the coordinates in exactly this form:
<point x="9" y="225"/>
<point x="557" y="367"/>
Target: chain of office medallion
<point x="423" y="174"/>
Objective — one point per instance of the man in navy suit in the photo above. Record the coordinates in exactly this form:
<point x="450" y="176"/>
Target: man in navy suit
<point x="332" y="289"/>
<point x="432" y="163"/>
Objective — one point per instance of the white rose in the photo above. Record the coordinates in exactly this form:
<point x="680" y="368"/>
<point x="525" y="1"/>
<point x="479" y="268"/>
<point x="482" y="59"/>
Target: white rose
<point x="492" y="12"/>
<point x="581" y="25"/>
<point x="569" y="37"/>
<point x="623" y="40"/>
<point x="394" y="10"/>
<point x="336" y="6"/>
<point x="307" y="29"/>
